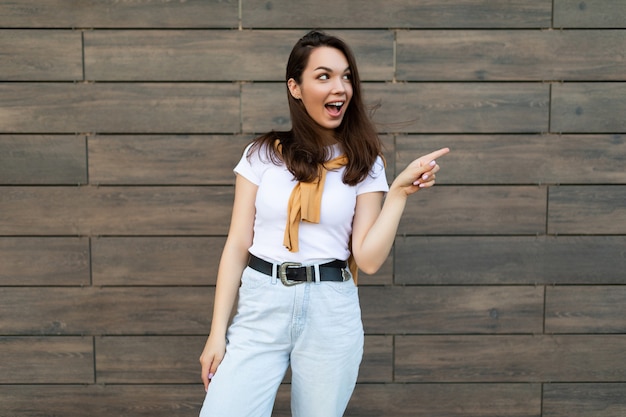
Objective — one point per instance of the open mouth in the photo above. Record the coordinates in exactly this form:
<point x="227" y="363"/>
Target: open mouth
<point x="335" y="107"/>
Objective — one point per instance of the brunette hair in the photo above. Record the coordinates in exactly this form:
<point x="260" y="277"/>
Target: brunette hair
<point x="303" y="146"/>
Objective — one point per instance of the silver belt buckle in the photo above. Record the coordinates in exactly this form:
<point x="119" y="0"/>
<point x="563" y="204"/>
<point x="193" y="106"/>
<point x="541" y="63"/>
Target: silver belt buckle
<point x="282" y="273"/>
<point x="345" y="274"/>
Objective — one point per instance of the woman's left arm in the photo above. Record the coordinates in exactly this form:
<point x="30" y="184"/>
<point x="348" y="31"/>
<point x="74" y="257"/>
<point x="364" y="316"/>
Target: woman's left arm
<point x="374" y="228"/>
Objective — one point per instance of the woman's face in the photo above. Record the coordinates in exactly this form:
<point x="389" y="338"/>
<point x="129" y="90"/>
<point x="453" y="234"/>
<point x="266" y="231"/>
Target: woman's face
<point x="326" y="87"/>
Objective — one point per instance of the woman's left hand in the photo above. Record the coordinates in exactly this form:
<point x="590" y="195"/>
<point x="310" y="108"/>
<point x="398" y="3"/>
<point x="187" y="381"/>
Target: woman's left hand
<point x="420" y="173"/>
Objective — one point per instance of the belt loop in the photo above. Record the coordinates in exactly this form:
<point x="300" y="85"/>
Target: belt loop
<point x="274" y="274"/>
<point x="316" y="270"/>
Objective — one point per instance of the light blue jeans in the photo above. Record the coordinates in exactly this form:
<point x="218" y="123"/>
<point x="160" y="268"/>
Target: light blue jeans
<point x="315" y="327"/>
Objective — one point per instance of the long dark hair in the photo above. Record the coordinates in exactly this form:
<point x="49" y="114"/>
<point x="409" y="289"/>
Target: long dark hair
<point x="303" y="147"/>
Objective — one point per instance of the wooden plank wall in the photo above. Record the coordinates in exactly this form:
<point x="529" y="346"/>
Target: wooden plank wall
<point x="120" y="122"/>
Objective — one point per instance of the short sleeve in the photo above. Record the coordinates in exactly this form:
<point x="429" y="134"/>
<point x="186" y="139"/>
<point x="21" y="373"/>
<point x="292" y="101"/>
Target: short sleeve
<point x="376" y="180"/>
<point x="246" y="166"/>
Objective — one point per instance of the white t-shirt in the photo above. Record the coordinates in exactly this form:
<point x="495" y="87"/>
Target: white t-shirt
<point x="321" y="242"/>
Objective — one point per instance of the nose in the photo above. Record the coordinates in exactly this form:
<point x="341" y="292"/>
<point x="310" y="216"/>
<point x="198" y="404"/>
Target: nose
<point x="338" y="86"/>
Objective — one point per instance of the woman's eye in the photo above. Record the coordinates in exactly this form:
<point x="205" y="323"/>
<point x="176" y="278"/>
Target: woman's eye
<point x="323" y="77"/>
<point x="347" y="77"/>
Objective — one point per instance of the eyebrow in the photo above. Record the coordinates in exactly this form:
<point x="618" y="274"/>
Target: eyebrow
<point x="328" y="69"/>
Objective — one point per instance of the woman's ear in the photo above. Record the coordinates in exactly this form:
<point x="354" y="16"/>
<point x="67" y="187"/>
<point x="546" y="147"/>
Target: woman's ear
<point x="294" y="89"/>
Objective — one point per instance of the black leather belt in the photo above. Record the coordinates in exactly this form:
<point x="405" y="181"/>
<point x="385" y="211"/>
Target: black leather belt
<point x="292" y="273"/>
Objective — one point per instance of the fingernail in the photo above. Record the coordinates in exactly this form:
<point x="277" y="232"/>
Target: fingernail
<point x="211" y="375"/>
<point x="433" y="163"/>
<point x="425" y="176"/>
<point x="416" y="183"/>
<point x="422" y="185"/>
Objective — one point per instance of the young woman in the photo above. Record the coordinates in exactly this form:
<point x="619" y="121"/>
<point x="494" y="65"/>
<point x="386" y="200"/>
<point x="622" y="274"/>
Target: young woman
<point x="307" y="201"/>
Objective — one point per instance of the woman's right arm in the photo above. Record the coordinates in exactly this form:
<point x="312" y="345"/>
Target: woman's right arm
<point x="232" y="263"/>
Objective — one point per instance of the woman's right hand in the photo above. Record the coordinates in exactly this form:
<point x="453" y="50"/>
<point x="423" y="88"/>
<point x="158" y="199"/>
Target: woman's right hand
<point x="212" y="355"/>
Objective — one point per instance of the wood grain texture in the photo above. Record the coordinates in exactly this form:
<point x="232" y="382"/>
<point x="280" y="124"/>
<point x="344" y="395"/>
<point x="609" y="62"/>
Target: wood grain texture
<point x="421" y="108"/>
<point x="54" y="160"/>
<point x="194" y="55"/>
<point x="456" y="210"/>
<point x="29" y="55"/>
<point x="44" y="261"/>
<point x="99" y="211"/>
<point x="428" y="310"/>
<point x="164" y="160"/>
<point x="156" y="260"/>
<point x="396" y="14"/>
<point x="377" y="363"/>
<point x="445" y="400"/>
<point x="588" y="108"/>
<point x="460" y="107"/>
<point x="116" y="14"/>
<point x="105" y="311"/>
<point x="161" y="400"/>
<point x="589" y="14"/>
<point x="586" y="309"/>
<point x="148" y="360"/>
<point x="507" y="55"/>
<point x="46" y="360"/>
<point x="510" y="260"/>
<point x="119" y="108"/>
<point x="531" y="359"/>
<point x="581" y="400"/>
<point x="521" y="159"/>
<point x="587" y="210"/>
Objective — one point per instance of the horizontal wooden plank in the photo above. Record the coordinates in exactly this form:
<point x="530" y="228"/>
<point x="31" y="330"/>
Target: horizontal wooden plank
<point x="445" y="400"/>
<point x="424" y="310"/>
<point x="148" y="360"/>
<point x="460" y="108"/>
<point x="397" y="14"/>
<point x="587" y="309"/>
<point x="46" y="360"/>
<point x="156" y="260"/>
<point x="217" y="55"/>
<point x="588" y="107"/>
<point x="422" y="108"/>
<point x="96" y="211"/>
<point x="116" y="14"/>
<point x="538" y="358"/>
<point x="513" y="260"/>
<point x="171" y="160"/>
<point x="589" y="13"/>
<point x="454" y="210"/>
<point x="583" y="400"/>
<point x="521" y="159"/>
<point x="587" y="210"/>
<point x="259" y="118"/>
<point x="119" y="108"/>
<point x="41" y="55"/>
<point x="164" y="159"/>
<point x="27" y="159"/>
<point x="377" y="363"/>
<point x="106" y="311"/>
<point x="44" y="261"/>
<point x="510" y="55"/>
<point x="102" y="400"/>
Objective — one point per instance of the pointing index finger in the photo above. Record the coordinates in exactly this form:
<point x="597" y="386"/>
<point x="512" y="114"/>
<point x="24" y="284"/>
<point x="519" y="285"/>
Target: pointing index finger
<point x="434" y="155"/>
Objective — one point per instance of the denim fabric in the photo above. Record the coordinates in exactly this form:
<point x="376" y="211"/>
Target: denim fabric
<point x="315" y="327"/>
